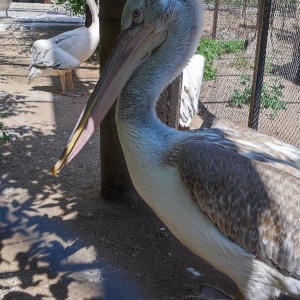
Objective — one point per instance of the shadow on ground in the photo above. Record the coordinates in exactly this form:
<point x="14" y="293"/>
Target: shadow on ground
<point x="59" y="238"/>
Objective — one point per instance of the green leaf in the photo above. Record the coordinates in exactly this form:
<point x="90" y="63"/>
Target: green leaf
<point x="212" y="49"/>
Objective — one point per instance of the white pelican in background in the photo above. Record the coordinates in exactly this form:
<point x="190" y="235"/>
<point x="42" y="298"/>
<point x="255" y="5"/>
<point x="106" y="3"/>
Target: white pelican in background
<point x="192" y="77"/>
<point x="230" y="196"/>
<point x="4" y="5"/>
<point x="66" y="51"/>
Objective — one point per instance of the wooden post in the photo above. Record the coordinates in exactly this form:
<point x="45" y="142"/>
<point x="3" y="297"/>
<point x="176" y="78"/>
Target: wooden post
<point x="115" y="180"/>
<point x="167" y="108"/>
<point x="215" y="21"/>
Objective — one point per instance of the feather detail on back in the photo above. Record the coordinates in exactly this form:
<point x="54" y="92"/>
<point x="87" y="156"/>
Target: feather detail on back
<point x="258" y="146"/>
<point x="252" y="203"/>
<point x="45" y="55"/>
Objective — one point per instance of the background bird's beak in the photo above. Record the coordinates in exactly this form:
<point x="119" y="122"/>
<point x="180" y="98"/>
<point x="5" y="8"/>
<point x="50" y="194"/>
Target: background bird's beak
<point x="126" y="56"/>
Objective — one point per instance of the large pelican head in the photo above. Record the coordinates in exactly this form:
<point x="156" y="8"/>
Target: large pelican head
<point x="146" y="24"/>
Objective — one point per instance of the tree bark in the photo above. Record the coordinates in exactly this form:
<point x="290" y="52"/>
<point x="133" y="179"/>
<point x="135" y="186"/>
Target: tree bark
<point x="215" y="21"/>
<point x="115" y="180"/>
<point x="167" y="108"/>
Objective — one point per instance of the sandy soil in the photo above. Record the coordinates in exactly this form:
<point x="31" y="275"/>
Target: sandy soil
<point x="59" y="239"/>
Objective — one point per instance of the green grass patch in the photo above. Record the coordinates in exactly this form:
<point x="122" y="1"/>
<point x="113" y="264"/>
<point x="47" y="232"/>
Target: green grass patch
<point x="242" y="63"/>
<point x="270" y="97"/>
<point x="4" y="137"/>
<point x="212" y="49"/>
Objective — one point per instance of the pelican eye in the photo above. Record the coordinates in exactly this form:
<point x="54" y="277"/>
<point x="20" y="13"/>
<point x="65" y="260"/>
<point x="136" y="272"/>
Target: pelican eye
<point x="137" y="14"/>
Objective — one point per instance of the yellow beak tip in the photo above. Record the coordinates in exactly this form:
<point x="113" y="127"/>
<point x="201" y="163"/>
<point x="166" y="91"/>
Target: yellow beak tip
<point x="55" y="170"/>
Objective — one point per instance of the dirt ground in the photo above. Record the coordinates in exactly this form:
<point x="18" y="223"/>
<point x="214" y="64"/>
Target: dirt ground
<point x="59" y="239"/>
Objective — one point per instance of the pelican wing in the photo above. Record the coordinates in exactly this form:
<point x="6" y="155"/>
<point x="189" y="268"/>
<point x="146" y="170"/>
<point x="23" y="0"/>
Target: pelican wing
<point x="45" y="54"/>
<point x="254" y="204"/>
<point x="72" y="40"/>
<point x="81" y="43"/>
<point x="258" y="146"/>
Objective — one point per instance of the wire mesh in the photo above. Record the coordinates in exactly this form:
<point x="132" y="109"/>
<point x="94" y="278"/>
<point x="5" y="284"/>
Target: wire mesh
<point x="227" y="94"/>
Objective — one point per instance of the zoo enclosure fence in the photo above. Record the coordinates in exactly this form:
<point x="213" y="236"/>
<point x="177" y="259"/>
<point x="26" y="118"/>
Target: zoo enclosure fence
<point x="227" y="94"/>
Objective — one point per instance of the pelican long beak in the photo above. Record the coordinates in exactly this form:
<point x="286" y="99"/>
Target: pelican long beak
<point x="126" y="56"/>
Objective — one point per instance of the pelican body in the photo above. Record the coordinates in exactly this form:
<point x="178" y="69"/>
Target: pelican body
<point x="65" y="52"/>
<point x="228" y="194"/>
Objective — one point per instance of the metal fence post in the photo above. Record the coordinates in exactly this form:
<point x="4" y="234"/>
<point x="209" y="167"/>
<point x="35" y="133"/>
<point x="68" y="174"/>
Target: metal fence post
<point x="264" y="10"/>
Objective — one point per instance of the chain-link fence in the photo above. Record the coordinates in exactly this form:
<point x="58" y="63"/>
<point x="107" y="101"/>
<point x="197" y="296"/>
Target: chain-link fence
<point x="226" y="92"/>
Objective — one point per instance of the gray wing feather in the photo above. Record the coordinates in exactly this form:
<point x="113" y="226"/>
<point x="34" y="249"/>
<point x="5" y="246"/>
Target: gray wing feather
<point x="67" y="39"/>
<point x="259" y="146"/>
<point x="48" y="55"/>
<point x="254" y="204"/>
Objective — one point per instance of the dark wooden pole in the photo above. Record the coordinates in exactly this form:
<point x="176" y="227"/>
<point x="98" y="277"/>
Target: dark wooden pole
<point x="215" y="21"/>
<point x="115" y="179"/>
<point x="167" y="108"/>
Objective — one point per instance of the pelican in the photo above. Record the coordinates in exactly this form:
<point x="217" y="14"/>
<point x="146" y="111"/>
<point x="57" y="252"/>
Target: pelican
<point x="192" y="77"/>
<point x="66" y="51"/>
<point x="229" y="195"/>
<point x="4" y="5"/>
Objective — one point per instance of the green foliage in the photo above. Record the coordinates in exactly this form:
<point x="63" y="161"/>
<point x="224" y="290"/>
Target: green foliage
<point x="4" y="138"/>
<point x="270" y="97"/>
<point x="269" y="64"/>
<point x="212" y="49"/>
<point x="240" y="98"/>
<point x="77" y="7"/>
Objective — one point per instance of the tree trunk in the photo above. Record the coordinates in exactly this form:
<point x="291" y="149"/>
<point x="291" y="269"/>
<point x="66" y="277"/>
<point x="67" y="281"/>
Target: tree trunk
<point x="115" y="180"/>
<point x="167" y="108"/>
<point x="215" y="21"/>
